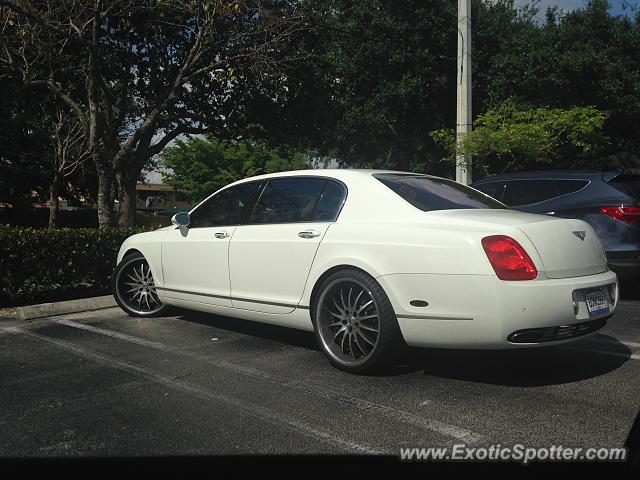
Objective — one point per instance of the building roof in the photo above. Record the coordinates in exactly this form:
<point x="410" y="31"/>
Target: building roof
<point x="154" y="187"/>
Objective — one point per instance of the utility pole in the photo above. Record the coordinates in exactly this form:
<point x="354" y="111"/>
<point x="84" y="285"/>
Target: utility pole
<point x="463" y="117"/>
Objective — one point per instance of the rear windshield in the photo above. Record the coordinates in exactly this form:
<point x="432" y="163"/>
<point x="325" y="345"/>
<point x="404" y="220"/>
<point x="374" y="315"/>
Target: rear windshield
<point x="429" y="193"/>
<point x="629" y="184"/>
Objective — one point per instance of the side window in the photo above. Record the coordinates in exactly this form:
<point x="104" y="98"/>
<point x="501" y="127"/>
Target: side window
<point x="330" y="202"/>
<point x="286" y="200"/>
<point x="524" y="192"/>
<point x="493" y="189"/>
<point x="229" y="207"/>
<point x="570" y="186"/>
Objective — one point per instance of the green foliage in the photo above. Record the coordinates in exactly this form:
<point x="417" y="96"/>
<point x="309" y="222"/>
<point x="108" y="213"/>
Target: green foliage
<point x="203" y="165"/>
<point x="584" y="57"/>
<point x="38" y="265"/>
<point x="375" y="75"/>
<point x="512" y="136"/>
<point x="39" y="217"/>
<point x="378" y="75"/>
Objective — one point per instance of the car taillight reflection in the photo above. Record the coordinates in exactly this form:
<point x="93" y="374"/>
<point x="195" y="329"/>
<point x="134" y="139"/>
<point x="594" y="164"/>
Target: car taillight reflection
<point x="622" y="213"/>
<point x="509" y="260"/>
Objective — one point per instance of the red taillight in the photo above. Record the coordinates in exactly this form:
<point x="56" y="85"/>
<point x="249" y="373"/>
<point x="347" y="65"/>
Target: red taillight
<point x="622" y="213"/>
<point x="508" y="259"/>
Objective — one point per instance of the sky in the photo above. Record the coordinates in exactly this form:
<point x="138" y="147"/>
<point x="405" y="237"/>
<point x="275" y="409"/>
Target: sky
<point x="567" y="5"/>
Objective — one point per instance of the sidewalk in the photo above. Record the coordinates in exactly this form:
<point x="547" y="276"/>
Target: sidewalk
<point x="41" y="310"/>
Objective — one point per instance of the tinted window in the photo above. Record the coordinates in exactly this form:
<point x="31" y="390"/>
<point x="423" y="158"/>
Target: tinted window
<point x="428" y="193"/>
<point x="288" y="200"/>
<point x="330" y="202"/>
<point x="229" y="207"/>
<point x="570" y="186"/>
<point x="629" y="184"/>
<point x="524" y="192"/>
<point x="493" y="189"/>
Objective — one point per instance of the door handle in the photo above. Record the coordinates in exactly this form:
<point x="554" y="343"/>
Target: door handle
<point x="308" y="234"/>
<point x="221" y="234"/>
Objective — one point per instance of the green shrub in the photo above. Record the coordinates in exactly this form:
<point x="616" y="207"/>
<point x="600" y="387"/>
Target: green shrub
<point x="41" y="265"/>
<point x="39" y="217"/>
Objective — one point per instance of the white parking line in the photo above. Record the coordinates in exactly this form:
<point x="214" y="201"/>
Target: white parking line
<point x="467" y="436"/>
<point x="256" y="411"/>
<point x="111" y="333"/>
<point x="633" y="356"/>
<point x="615" y="341"/>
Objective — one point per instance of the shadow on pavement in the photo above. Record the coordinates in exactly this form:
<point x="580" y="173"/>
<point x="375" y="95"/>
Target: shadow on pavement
<point x="291" y="336"/>
<point x="523" y="368"/>
<point x="519" y="368"/>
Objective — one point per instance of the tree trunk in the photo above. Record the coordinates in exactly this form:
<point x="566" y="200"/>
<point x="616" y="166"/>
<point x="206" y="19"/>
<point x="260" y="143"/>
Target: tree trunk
<point x="105" y="198"/>
<point x="127" y="199"/>
<point x="54" y="203"/>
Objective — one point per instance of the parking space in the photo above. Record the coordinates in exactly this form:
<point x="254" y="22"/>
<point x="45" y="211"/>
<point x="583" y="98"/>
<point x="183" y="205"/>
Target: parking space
<point x="102" y="383"/>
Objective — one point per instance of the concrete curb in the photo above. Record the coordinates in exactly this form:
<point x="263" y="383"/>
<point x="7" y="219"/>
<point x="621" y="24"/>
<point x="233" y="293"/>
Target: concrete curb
<point x="61" y="308"/>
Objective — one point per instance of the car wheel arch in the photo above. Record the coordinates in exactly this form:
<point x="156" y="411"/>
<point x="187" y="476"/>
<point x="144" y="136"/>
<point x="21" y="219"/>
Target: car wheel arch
<point x="155" y="269"/>
<point x="318" y="283"/>
<point x="131" y="251"/>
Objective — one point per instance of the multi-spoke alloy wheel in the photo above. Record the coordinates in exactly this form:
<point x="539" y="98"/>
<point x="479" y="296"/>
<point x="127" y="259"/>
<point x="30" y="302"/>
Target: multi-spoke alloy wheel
<point x="355" y="323"/>
<point x="134" y="289"/>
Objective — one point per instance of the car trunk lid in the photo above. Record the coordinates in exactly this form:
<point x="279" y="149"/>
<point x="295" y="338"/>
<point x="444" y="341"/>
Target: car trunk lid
<point x="567" y="247"/>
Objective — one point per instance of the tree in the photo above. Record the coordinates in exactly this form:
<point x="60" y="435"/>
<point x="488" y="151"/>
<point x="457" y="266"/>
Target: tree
<point x="200" y="166"/>
<point x="517" y="137"/>
<point x="24" y="140"/>
<point x="584" y="57"/>
<point x="374" y="74"/>
<point x="139" y="73"/>
<point x="67" y="157"/>
<point x="42" y="149"/>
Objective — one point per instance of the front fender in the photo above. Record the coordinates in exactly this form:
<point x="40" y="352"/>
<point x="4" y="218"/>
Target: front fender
<point x="150" y="245"/>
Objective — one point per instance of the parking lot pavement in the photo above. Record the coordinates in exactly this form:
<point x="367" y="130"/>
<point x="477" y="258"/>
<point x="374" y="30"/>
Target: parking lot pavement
<point x="102" y="383"/>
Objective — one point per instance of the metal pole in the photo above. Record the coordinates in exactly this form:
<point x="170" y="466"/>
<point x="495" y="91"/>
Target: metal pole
<point x="463" y="117"/>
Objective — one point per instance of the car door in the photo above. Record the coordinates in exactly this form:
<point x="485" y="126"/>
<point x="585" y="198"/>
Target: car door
<point x="270" y="258"/>
<point x="195" y="259"/>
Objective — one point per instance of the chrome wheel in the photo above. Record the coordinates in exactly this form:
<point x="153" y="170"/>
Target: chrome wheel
<point x="135" y="287"/>
<point x="348" y="321"/>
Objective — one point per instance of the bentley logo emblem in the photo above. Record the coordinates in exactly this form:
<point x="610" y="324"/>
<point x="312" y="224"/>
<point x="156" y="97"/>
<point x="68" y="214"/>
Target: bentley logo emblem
<point x="580" y="234"/>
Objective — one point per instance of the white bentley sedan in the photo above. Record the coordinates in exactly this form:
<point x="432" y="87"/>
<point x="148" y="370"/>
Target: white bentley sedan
<point x="371" y="261"/>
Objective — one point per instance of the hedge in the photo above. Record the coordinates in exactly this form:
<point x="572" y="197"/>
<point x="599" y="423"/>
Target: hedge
<point x="39" y="217"/>
<point x="41" y="265"/>
<point x="83" y="218"/>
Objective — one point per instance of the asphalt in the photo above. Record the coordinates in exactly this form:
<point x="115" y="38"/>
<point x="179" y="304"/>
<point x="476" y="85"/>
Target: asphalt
<point x="104" y="384"/>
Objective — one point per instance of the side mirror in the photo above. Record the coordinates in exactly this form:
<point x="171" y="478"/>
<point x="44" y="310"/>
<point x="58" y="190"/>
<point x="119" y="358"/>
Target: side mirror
<point x="181" y="219"/>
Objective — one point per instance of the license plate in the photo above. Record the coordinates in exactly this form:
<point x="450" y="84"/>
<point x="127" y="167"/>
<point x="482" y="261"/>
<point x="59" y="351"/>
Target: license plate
<point x="597" y="302"/>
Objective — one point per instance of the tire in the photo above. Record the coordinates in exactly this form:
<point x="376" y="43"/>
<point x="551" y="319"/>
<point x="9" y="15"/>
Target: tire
<point x="349" y="307"/>
<point x="133" y="287"/>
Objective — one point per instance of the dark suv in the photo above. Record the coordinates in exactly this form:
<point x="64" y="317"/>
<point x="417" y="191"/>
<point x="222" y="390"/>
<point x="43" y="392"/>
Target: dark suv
<point x="609" y="202"/>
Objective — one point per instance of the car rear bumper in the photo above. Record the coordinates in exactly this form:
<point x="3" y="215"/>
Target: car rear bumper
<point x="481" y="311"/>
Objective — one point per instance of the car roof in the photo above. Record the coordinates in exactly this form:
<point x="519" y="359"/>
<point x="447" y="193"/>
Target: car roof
<point x="337" y="173"/>
<point x="551" y="174"/>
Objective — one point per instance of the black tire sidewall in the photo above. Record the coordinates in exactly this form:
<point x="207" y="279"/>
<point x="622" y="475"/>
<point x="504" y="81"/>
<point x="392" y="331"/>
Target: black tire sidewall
<point x="389" y="341"/>
<point x="114" y="287"/>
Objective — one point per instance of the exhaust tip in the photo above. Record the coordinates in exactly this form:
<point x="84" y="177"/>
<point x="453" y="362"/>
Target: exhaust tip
<point x="554" y="334"/>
